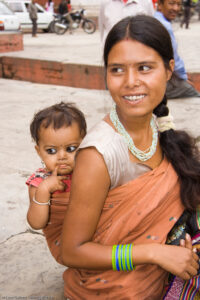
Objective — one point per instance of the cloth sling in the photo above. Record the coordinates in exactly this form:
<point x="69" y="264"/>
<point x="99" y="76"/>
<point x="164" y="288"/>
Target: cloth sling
<point x="53" y="230"/>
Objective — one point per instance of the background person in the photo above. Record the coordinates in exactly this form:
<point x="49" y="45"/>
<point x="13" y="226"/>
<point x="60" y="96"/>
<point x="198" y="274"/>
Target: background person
<point x="130" y="184"/>
<point x="179" y="86"/>
<point x="57" y="131"/>
<point x="69" y="5"/>
<point x="187" y="4"/>
<point x="49" y="6"/>
<point x="64" y="11"/>
<point x="32" y="8"/>
<point x="112" y="11"/>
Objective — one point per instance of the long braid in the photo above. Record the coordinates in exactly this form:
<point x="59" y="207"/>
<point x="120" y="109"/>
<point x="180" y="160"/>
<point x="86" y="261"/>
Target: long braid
<point x="180" y="149"/>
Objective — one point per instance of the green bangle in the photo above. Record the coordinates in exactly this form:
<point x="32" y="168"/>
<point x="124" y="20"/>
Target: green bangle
<point x="124" y="268"/>
<point x="122" y="258"/>
<point x="114" y="258"/>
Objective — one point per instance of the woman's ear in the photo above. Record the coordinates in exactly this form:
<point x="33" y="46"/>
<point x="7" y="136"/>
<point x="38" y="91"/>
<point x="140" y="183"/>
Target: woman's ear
<point x="171" y="69"/>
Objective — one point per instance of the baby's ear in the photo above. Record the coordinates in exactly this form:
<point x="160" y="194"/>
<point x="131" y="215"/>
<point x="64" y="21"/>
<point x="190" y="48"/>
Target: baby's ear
<point x="37" y="149"/>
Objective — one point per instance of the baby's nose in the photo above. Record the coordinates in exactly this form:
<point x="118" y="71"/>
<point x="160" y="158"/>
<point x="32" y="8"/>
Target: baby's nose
<point x="62" y="154"/>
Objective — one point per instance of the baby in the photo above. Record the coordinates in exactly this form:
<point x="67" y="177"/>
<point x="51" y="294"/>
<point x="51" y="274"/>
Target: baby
<point x="57" y="131"/>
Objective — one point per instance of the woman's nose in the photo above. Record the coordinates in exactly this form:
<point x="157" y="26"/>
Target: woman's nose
<point x="132" y="78"/>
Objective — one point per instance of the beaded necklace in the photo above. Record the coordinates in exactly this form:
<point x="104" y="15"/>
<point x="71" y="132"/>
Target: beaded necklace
<point x="141" y="155"/>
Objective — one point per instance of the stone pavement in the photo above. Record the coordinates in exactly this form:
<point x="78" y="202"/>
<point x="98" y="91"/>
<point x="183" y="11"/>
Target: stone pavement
<point x="82" y="48"/>
<point x="27" y="270"/>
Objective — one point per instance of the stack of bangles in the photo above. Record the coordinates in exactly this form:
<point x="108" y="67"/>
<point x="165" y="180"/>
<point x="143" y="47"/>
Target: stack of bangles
<point x="122" y="258"/>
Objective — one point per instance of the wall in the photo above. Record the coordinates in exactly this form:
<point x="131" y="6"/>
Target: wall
<point x="11" y="42"/>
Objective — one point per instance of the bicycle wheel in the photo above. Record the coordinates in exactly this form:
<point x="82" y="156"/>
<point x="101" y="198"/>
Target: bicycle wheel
<point x="89" y="26"/>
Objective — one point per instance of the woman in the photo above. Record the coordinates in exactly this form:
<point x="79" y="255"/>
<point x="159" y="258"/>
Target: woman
<point x="131" y="183"/>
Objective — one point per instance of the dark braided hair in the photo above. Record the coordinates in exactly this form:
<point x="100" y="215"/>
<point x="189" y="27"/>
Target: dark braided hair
<point x="178" y="146"/>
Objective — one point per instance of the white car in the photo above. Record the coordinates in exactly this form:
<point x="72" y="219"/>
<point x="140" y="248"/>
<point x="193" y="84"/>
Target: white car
<point x="20" y="8"/>
<point x="8" y="20"/>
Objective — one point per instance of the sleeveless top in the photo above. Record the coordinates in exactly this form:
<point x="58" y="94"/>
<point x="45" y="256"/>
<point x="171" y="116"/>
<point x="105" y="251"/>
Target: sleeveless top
<point x="111" y="145"/>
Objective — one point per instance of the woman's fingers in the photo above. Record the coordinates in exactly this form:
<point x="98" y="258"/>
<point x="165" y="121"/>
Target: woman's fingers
<point x="188" y="241"/>
<point x="192" y="271"/>
<point x="186" y="276"/>
<point x="182" y="243"/>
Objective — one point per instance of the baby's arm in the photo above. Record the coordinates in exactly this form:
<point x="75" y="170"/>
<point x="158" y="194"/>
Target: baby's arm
<point x="38" y="212"/>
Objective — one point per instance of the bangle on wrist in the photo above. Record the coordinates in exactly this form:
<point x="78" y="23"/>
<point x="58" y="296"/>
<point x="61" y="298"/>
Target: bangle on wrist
<point x="41" y="203"/>
<point x="122" y="258"/>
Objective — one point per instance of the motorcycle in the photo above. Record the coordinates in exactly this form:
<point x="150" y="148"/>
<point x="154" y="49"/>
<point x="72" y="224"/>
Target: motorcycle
<point x="61" y="24"/>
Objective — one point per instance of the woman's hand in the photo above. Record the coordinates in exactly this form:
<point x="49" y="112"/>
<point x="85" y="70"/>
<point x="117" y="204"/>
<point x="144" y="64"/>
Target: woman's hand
<point x="181" y="260"/>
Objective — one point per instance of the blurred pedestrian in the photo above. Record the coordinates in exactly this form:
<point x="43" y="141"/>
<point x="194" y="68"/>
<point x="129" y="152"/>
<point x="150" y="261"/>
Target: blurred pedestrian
<point x="154" y="3"/>
<point x="178" y="86"/>
<point x="198" y="8"/>
<point x="112" y="11"/>
<point x="64" y="11"/>
<point x="49" y="6"/>
<point x="187" y="4"/>
<point x="32" y="8"/>
<point x="69" y="5"/>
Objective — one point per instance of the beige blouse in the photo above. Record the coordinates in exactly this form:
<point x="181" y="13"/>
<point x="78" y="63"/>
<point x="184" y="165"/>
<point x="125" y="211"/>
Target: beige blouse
<point x="114" y="150"/>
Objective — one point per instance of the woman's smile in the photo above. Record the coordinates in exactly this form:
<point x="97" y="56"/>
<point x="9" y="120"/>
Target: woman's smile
<point x="134" y="99"/>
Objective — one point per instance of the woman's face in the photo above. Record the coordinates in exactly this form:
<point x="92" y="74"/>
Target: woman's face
<point x="136" y="78"/>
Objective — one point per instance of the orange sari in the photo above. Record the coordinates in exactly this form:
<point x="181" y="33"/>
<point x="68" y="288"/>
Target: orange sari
<point x="140" y="211"/>
<point x="53" y="230"/>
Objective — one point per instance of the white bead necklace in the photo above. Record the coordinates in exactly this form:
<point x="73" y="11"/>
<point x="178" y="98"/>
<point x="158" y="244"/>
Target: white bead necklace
<point x="141" y="155"/>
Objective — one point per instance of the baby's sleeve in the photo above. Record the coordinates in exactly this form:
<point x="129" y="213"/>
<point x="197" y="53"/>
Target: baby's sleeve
<point x="35" y="179"/>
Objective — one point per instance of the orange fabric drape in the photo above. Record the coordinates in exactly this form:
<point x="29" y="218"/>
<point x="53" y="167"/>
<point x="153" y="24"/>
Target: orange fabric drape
<point x="53" y="230"/>
<point x="141" y="211"/>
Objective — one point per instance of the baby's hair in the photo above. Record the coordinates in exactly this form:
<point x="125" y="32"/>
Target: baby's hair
<point x="58" y="116"/>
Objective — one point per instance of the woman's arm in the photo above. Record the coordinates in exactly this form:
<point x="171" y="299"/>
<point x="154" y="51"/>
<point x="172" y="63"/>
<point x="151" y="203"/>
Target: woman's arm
<point x="90" y="186"/>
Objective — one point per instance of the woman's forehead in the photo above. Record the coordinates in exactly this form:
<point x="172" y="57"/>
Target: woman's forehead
<point x="132" y="50"/>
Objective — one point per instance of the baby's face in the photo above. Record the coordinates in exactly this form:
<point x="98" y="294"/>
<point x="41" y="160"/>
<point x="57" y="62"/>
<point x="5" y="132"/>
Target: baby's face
<point x="57" y="147"/>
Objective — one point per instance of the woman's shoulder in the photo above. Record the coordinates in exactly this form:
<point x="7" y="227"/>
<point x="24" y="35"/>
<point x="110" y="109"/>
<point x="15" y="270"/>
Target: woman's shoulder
<point x="101" y="134"/>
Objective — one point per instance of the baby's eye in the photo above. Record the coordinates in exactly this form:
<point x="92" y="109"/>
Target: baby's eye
<point x="144" y="68"/>
<point x="70" y="149"/>
<point x="51" y="151"/>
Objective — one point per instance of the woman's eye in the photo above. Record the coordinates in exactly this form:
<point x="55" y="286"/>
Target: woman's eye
<point x="144" y="68"/>
<point x="71" y="149"/>
<point x="51" y="151"/>
<point x="116" y="70"/>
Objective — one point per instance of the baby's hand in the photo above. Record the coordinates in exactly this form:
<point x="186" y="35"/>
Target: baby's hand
<point x="54" y="182"/>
